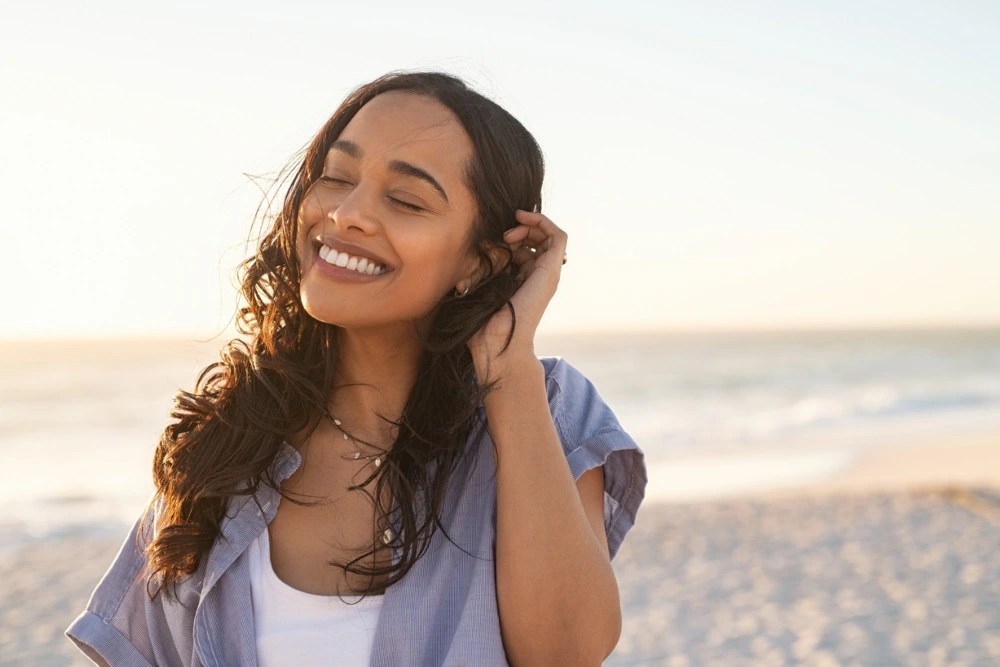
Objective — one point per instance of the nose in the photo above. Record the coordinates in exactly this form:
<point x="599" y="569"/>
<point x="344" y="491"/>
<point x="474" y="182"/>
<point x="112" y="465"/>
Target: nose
<point x="352" y="212"/>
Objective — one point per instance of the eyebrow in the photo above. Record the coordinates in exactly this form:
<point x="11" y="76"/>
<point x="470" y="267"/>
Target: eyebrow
<point x="397" y="166"/>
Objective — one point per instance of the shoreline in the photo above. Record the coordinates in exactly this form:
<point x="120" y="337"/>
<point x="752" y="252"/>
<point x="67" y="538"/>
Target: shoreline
<point x="937" y="461"/>
<point x="971" y="461"/>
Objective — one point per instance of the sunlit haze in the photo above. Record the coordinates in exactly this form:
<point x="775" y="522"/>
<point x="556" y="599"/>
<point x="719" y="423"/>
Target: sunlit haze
<point x="716" y="165"/>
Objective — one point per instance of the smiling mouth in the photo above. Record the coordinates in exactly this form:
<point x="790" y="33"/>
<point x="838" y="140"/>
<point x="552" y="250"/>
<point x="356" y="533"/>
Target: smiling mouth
<point x="361" y="265"/>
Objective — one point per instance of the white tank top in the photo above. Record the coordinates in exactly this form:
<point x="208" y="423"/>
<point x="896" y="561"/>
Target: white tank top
<point x="293" y="627"/>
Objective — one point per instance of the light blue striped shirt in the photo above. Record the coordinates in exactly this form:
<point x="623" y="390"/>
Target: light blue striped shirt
<point x="443" y="612"/>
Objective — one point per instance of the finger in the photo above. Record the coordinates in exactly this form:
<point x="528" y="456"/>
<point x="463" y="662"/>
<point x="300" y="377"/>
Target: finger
<point x="534" y="237"/>
<point x="527" y="260"/>
<point x="525" y="269"/>
<point x="536" y="234"/>
<point x="522" y="255"/>
<point x="516" y="233"/>
<point x="518" y="245"/>
<point x="551" y="244"/>
<point x="538" y="220"/>
<point x="538" y="248"/>
<point x="551" y="257"/>
<point x="554" y="246"/>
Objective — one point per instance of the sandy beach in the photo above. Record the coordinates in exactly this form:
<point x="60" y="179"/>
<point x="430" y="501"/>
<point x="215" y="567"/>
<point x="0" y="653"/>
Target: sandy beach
<point x="881" y="579"/>
<point x="893" y="560"/>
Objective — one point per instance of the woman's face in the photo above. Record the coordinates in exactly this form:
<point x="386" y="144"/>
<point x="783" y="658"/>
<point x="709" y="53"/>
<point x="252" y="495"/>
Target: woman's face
<point x="400" y="151"/>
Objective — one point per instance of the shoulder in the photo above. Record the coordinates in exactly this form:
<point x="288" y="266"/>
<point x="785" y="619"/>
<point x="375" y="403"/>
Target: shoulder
<point x="592" y="436"/>
<point x="120" y="623"/>
<point x="577" y="406"/>
<point x="559" y="376"/>
<point x="552" y="362"/>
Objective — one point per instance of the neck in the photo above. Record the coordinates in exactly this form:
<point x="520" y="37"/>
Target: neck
<point x="384" y="365"/>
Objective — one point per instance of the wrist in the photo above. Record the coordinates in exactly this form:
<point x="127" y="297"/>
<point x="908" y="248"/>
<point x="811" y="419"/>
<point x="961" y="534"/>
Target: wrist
<point x="510" y="363"/>
<point x="515" y="384"/>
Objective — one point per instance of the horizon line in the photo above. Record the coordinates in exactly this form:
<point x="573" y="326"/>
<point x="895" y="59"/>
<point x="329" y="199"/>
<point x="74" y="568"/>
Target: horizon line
<point x="900" y="327"/>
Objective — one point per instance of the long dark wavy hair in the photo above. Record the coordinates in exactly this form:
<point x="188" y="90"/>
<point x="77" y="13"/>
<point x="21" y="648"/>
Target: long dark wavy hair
<point x="224" y="435"/>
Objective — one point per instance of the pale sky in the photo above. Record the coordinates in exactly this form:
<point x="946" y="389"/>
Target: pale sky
<point x="716" y="165"/>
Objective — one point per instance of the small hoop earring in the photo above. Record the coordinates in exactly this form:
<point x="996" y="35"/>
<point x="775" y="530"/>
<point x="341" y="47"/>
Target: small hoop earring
<point x="461" y="294"/>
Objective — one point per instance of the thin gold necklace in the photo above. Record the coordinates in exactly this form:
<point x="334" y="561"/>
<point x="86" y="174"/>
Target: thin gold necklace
<point x="358" y="453"/>
<point x="387" y="534"/>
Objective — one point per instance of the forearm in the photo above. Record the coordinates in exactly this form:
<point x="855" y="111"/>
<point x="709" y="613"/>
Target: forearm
<point x="557" y="593"/>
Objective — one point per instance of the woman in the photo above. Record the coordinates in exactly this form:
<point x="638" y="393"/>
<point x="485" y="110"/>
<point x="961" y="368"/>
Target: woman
<point x="390" y="388"/>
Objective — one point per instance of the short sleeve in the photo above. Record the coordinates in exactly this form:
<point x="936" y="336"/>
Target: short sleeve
<point x="120" y="625"/>
<point x="591" y="436"/>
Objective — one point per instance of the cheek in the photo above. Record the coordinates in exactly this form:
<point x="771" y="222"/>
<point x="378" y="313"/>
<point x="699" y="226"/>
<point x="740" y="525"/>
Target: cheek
<point x="311" y="214"/>
<point x="430" y="258"/>
<point x="311" y="209"/>
<point x="302" y="245"/>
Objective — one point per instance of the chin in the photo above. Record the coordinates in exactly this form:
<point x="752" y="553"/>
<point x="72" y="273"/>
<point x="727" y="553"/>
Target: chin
<point x="323" y="308"/>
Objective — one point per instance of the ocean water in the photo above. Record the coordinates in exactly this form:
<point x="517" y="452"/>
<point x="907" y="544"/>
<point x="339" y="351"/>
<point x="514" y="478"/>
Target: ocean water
<point x="79" y="420"/>
<point x="733" y="392"/>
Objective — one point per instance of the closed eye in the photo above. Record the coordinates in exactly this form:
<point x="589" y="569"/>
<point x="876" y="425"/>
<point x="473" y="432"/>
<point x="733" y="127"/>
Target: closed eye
<point x="411" y="207"/>
<point x="404" y="204"/>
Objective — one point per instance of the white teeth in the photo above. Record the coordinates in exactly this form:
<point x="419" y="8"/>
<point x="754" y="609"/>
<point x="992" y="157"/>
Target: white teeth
<point x="342" y="259"/>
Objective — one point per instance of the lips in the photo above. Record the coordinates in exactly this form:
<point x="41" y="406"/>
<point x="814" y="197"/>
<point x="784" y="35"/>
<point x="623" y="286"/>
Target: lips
<point x="350" y="248"/>
<point x="351" y="262"/>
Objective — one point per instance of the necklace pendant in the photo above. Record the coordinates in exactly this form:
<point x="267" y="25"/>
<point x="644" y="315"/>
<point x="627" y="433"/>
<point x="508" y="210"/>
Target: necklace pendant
<point x="378" y="461"/>
<point x="357" y="455"/>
